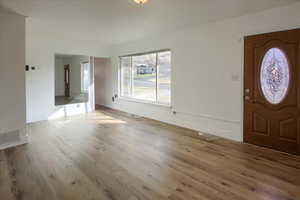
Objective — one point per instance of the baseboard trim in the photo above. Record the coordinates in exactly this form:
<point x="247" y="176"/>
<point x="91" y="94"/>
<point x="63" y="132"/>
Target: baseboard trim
<point x="6" y="146"/>
<point x="14" y="138"/>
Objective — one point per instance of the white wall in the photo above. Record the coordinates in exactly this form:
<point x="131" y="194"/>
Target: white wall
<point x="59" y="77"/>
<point x="207" y="71"/>
<point x="41" y="47"/>
<point x="12" y="74"/>
<point x="102" y="67"/>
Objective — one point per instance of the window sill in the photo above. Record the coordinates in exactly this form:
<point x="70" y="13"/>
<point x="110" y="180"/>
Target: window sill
<point x="145" y="102"/>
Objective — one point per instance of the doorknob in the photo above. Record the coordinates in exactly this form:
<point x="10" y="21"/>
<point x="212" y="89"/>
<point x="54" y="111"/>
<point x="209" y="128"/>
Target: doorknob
<point x="247" y="90"/>
<point x="248" y="98"/>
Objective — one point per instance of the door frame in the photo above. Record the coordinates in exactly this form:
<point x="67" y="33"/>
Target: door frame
<point x="67" y="91"/>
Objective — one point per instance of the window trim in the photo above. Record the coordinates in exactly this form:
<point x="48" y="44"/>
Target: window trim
<point x="167" y="105"/>
<point x="156" y="102"/>
<point x="145" y="53"/>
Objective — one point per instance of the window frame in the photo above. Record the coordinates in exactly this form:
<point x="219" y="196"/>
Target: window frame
<point x="131" y="98"/>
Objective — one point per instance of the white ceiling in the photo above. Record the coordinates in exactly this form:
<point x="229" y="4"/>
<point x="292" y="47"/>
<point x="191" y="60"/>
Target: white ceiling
<point x="116" y="21"/>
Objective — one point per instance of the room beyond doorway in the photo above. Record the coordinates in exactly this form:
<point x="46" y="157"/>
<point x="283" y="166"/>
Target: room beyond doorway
<point x="72" y="78"/>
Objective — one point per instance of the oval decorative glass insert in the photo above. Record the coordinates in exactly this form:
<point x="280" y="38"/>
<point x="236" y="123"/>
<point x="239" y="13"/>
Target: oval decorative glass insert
<point x="275" y="75"/>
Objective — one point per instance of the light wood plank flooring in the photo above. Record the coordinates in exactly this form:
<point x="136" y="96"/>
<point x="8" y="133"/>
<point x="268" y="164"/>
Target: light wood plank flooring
<point x="110" y="155"/>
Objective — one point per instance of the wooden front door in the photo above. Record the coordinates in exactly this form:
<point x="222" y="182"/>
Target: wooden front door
<point x="271" y="91"/>
<point x="67" y="80"/>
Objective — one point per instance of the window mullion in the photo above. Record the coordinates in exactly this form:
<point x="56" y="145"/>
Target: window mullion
<point x="131" y="77"/>
<point x="120" y="77"/>
<point x="157" y="72"/>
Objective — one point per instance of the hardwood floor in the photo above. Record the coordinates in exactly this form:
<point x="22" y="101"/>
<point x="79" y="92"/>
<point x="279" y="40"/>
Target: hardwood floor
<point x="110" y="155"/>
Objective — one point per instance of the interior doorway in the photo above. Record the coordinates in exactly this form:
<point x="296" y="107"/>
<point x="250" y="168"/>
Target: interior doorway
<point x="67" y="81"/>
<point x="72" y="79"/>
<point x="272" y="90"/>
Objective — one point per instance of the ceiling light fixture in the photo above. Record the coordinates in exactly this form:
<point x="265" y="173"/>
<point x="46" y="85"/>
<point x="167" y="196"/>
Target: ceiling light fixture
<point x="141" y="1"/>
